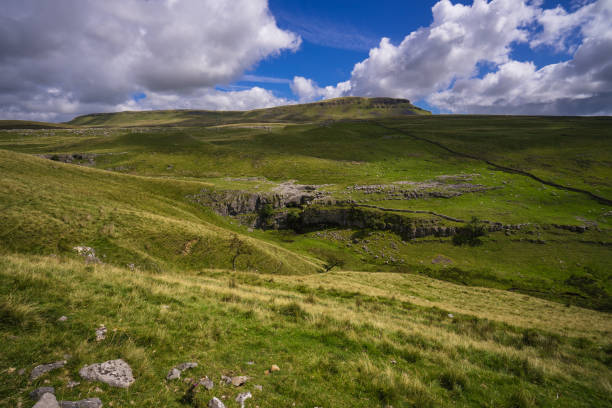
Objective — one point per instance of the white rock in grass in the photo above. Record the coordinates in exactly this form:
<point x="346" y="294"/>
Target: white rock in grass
<point x="48" y="400"/>
<point x="215" y="403"/>
<point x="241" y="398"/>
<point x="116" y="373"/>
<point x="101" y="333"/>
<point x="173" y="374"/>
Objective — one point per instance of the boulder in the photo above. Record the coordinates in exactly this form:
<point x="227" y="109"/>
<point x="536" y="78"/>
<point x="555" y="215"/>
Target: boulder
<point x="116" y="373"/>
<point x="47" y="400"/>
<point x="39" y="392"/>
<point x="239" y="380"/>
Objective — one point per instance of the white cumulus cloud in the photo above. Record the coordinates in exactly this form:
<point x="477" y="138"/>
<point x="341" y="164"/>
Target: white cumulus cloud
<point x="441" y="62"/>
<point x="96" y="54"/>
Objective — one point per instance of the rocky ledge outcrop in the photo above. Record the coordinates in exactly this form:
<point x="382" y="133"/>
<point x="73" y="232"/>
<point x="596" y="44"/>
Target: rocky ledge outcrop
<point x="236" y="202"/>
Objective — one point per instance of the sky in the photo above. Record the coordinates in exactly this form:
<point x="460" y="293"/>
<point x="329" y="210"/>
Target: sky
<point x="63" y="58"/>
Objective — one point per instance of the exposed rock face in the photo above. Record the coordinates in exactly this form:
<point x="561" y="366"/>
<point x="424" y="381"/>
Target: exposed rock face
<point x="405" y="226"/>
<point x="45" y="368"/>
<point x="47" y="400"/>
<point x="235" y="202"/>
<point x="84" y="159"/>
<point x="116" y="373"/>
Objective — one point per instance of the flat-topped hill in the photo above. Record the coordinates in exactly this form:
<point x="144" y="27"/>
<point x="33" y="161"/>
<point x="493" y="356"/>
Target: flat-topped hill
<point x="333" y="109"/>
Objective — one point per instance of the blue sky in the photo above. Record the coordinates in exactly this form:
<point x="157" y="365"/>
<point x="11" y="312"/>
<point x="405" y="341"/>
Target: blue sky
<point x="537" y="57"/>
<point x="336" y="34"/>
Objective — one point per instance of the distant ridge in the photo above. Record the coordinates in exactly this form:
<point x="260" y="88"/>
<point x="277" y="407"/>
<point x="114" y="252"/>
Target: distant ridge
<point x="345" y="108"/>
<point x="28" y="124"/>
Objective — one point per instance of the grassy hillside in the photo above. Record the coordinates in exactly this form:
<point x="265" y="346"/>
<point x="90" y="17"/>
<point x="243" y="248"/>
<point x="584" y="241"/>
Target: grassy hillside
<point x="341" y="339"/>
<point x="28" y="124"/>
<point x="126" y="219"/>
<point x="332" y="109"/>
<point x="425" y="307"/>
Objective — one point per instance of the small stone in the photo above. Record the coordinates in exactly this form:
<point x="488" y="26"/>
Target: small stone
<point x="39" y="392"/>
<point x="86" y="403"/>
<point x="101" y="333"/>
<point x="45" y="368"/>
<point x="186" y="366"/>
<point x="250" y="362"/>
<point x="72" y="384"/>
<point x="207" y="383"/>
<point x="393" y="361"/>
<point x="267" y="372"/>
<point x="226" y="379"/>
<point x="241" y="398"/>
<point x="274" y="368"/>
<point x="98" y="390"/>
<point x="116" y="373"/>
<point x="450" y="315"/>
<point x="47" y="400"/>
<point x="173" y="374"/>
<point x="11" y="370"/>
<point x="62" y="319"/>
<point x="215" y="403"/>
<point x="239" y="380"/>
<point x="21" y="371"/>
<point x="259" y="387"/>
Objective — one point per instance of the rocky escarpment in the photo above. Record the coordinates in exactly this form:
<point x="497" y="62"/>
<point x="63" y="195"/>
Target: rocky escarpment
<point x="305" y="208"/>
<point x="236" y="202"/>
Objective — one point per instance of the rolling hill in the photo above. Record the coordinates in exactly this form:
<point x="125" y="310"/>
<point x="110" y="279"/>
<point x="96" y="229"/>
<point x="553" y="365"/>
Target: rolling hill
<point x="346" y="108"/>
<point x="377" y="256"/>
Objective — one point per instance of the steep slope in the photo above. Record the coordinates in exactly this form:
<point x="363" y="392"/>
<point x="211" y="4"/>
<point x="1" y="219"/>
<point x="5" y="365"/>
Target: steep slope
<point x="50" y="208"/>
<point x="333" y="109"/>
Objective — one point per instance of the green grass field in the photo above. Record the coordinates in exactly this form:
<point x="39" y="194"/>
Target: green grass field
<point x="529" y="321"/>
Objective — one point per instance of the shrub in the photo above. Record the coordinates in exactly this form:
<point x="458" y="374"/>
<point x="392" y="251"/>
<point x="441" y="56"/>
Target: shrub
<point x="470" y="233"/>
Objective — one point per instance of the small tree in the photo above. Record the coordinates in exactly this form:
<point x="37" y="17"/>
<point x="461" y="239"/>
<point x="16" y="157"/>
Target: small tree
<point x="332" y="261"/>
<point x="238" y="247"/>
